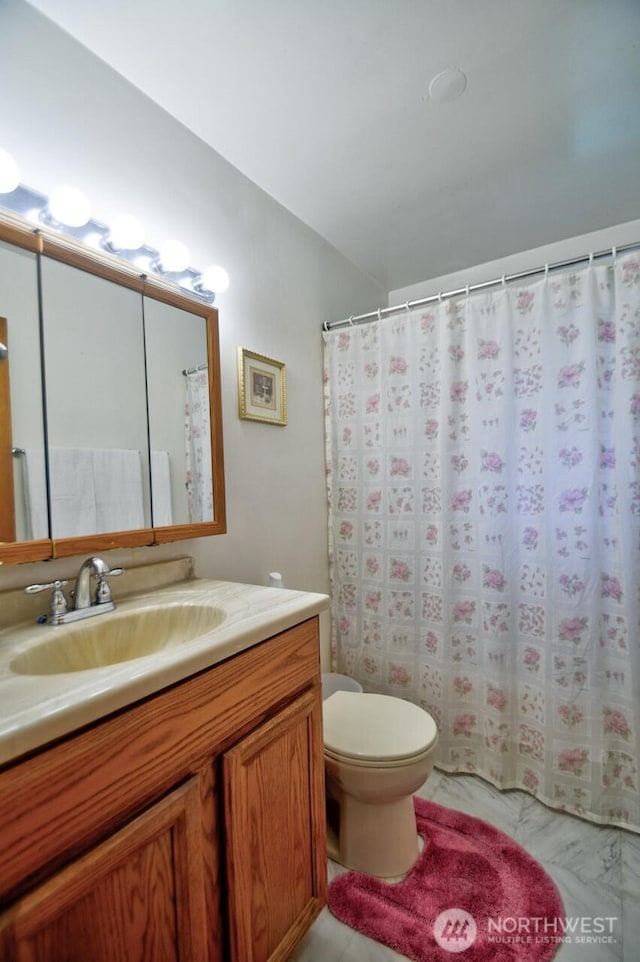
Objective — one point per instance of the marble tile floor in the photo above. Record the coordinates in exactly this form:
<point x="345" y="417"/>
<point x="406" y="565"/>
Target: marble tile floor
<point x="596" y="870"/>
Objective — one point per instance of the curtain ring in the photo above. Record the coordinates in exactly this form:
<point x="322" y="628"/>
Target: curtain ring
<point x="408" y="305"/>
<point x="504" y="280"/>
<point x="467" y="290"/>
<point x="614" y="252"/>
<point x="351" y="320"/>
<point x="439" y="297"/>
<point x="546" y="270"/>
<point x="379" y="314"/>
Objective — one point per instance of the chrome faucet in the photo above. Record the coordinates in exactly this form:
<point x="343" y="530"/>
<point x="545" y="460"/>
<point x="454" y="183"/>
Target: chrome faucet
<point x="82" y="595"/>
<point x="83" y="607"/>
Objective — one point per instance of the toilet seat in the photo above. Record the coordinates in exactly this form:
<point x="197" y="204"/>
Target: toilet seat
<point x="375" y="764"/>
<point x="378" y="730"/>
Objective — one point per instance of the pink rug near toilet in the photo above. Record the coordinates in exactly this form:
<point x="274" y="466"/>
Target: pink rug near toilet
<point x="473" y="894"/>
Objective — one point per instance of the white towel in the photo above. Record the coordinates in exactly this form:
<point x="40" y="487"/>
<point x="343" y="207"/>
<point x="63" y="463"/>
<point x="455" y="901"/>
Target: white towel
<point x="72" y="492"/>
<point x="35" y="493"/>
<point x="93" y="491"/>
<point x="117" y="480"/>
<point x="161" y="488"/>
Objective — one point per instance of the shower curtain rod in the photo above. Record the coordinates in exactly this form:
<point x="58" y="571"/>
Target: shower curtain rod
<point x="194" y="370"/>
<point x="409" y="305"/>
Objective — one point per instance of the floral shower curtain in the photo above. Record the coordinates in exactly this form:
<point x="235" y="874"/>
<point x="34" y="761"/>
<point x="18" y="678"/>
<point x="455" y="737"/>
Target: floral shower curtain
<point x="484" y="487"/>
<point x="197" y="432"/>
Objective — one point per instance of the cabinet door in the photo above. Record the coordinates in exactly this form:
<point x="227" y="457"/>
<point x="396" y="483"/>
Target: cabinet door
<point x="136" y="897"/>
<point x="275" y="831"/>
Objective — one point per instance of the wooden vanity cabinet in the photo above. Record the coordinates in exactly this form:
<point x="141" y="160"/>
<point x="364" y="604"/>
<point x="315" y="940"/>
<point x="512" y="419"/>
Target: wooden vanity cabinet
<point x="186" y="828"/>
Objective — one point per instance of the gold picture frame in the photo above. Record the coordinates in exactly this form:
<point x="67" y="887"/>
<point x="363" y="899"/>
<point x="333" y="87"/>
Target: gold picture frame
<point x="262" y="388"/>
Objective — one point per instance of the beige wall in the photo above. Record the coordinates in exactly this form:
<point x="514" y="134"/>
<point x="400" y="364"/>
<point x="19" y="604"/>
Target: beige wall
<point x="580" y="246"/>
<point x="67" y="117"/>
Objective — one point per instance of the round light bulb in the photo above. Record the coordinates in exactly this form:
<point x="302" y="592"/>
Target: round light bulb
<point x="69" y="206"/>
<point x="9" y="173"/>
<point x="174" y="257"/>
<point x="126" y="233"/>
<point x="215" y="279"/>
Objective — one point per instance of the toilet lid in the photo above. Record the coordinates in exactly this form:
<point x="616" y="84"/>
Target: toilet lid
<point x="370" y="726"/>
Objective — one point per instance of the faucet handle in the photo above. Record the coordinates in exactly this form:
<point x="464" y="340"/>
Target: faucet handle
<point x="34" y="589"/>
<point x="58" y="600"/>
<point x="103" y="591"/>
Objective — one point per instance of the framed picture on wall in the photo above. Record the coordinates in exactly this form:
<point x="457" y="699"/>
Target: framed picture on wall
<point x="262" y="390"/>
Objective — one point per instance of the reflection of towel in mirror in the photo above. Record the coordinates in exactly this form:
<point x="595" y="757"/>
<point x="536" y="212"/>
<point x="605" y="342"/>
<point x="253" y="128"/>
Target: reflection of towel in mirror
<point x="92" y="491"/>
<point x="161" y="488"/>
<point x="35" y="494"/>
<point x="72" y="492"/>
<point x="117" y="483"/>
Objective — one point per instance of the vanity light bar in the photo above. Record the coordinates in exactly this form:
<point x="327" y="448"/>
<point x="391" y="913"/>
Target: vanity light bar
<point x="34" y="207"/>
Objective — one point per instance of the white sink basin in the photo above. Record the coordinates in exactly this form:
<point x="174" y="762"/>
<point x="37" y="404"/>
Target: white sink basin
<point x="116" y="637"/>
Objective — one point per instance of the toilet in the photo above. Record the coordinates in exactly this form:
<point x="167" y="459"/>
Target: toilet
<point x="378" y="750"/>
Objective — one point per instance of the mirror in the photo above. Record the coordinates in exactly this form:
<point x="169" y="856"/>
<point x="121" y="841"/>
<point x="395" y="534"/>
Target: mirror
<point x="131" y="378"/>
<point x="21" y="403"/>
<point x="94" y="367"/>
<point x="179" y="428"/>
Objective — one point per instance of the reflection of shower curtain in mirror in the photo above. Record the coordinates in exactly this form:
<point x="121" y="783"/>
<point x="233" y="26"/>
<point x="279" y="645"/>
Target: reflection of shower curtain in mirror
<point x="198" y="447"/>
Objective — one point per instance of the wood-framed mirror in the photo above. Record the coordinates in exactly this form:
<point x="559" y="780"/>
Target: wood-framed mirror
<point x="111" y="404"/>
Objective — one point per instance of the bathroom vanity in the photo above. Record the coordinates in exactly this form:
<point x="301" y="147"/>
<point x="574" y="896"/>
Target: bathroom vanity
<point x="186" y="823"/>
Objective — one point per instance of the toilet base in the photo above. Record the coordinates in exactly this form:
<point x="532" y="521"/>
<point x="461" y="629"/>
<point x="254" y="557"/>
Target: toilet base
<point x="379" y="839"/>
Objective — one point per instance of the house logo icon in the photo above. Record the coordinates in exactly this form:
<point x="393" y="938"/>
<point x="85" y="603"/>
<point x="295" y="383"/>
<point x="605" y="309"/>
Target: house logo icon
<point x="455" y="930"/>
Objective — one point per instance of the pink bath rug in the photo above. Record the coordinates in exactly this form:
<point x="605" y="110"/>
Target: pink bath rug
<point x="473" y="894"/>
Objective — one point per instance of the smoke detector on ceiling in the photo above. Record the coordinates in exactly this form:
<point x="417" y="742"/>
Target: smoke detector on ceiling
<point x="447" y="85"/>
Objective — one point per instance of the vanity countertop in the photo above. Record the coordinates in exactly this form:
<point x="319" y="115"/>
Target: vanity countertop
<point x="36" y="709"/>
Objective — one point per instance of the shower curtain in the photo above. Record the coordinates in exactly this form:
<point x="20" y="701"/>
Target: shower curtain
<point x="198" y="447"/>
<point x="484" y="490"/>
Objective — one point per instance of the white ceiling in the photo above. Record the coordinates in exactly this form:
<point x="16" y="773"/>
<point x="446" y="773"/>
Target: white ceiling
<point x="324" y="104"/>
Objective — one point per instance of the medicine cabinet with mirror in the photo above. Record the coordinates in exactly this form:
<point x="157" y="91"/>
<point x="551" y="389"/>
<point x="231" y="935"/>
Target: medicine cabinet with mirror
<point x="110" y="404"/>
